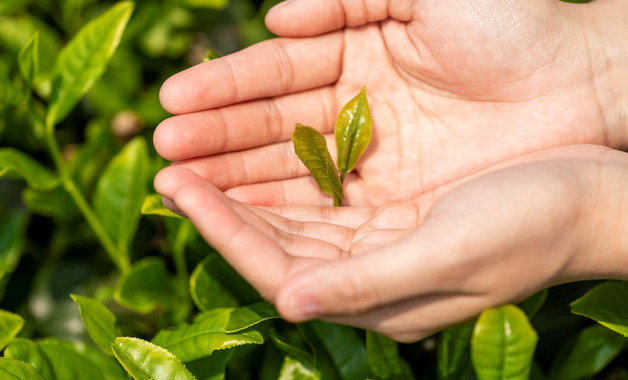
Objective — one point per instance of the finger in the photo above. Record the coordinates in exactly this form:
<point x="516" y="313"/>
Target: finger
<point x="270" y="68"/>
<point x="308" y="18"/>
<point x="243" y="126"/>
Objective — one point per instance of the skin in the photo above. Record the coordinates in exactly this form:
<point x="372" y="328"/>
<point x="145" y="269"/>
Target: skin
<point x="490" y="175"/>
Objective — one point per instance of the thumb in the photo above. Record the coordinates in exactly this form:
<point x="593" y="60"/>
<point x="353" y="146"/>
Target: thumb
<point x="301" y="18"/>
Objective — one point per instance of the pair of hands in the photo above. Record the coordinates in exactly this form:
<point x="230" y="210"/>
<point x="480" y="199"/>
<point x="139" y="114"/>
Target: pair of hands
<point x="477" y="188"/>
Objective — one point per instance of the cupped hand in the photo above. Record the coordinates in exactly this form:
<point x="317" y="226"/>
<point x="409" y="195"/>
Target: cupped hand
<point x="454" y="87"/>
<point x="408" y="269"/>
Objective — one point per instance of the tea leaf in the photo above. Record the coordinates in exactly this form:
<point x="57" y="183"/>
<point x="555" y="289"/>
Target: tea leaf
<point x="84" y="59"/>
<point x="353" y="132"/>
<point x="144" y="360"/>
<point x="16" y="370"/>
<point x="453" y="355"/>
<point x="205" y="289"/>
<point x="311" y="148"/>
<point x="9" y="93"/>
<point x="12" y="239"/>
<point x="37" y="176"/>
<point x="346" y="349"/>
<point x="29" y="352"/>
<point x="533" y="304"/>
<point x="293" y="369"/>
<point x="10" y="325"/>
<point x="383" y="356"/>
<point x="248" y="316"/>
<point x="606" y="304"/>
<point x="503" y="344"/>
<point x="28" y="59"/>
<point x="595" y="347"/>
<point x="297" y="353"/>
<point x="153" y="206"/>
<point x="99" y="322"/>
<point x="212" y="367"/>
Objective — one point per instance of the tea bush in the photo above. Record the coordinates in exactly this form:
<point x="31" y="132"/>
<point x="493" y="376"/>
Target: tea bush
<point x="99" y="281"/>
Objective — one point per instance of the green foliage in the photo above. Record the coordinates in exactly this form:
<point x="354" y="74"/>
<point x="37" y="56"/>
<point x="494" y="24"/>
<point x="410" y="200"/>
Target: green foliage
<point x="79" y="84"/>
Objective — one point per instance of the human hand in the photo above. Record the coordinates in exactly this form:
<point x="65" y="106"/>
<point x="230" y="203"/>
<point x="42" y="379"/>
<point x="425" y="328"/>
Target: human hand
<point x="454" y="87"/>
<point x="411" y="268"/>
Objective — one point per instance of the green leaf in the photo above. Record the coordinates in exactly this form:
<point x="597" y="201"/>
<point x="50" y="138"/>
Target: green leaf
<point x="10" y="325"/>
<point x="99" y="322"/>
<point x="84" y="59"/>
<point x="290" y="349"/>
<point x="153" y="206"/>
<point x="346" y="349"/>
<point x="595" y="347"/>
<point x="293" y="369"/>
<point x="56" y="203"/>
<point x="12" y="231"/>
<point x="606" y="304"/>
<point x="532" y="304"/>
<point x="453" y="355"/>
<point x="29" y="352"/>
<point x="11" y="369"/>
<point x="146" y="286"/>
<point x="206" y="335"/>
<point x="9" y="94"/>
<point x="353" y="132"/>
<point x="383" y="356"/>
<point x="503" y="344"/>
<point x="12" y="161"/>
<point x="144" y="360"/>
<point x="206" y="289"/>
<point x="311" y="148"/>
<point x="120" y="193"/>
<point x="212" y="367"/>
<point x="244" y="317"/>
<point x="28" y="59"/>
<point x="216" y="4"/>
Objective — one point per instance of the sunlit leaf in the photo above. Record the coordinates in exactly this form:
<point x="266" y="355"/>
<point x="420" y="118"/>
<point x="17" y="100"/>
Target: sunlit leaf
<point x="311" y="148"/>
<point x="383" y="357"/>
<point x="205" y="288"/>
<point x="146" y="361"/>
<point x="594" y="348"/>
<point x="244" y="317"/>
<point x="11" y="369"/>
<point x="206" y="335"/>
<point x="503" y="344"/>
<point x="84" y="59"/>
<point x="345" y="348"/>
<point x="216" y="4"/>
<point x="153" y="206"/>
<point x="28" y="59"/>
<point x="120" y="194"/>
<point x="454" y="355"/>
<point x="353" y="132"/>
<point x="606" y="304"/>
<point x="293" y="369"/>
<point x="37" y="176"/>
<point x="10" y="325"/>
<point x="99" y="322"/>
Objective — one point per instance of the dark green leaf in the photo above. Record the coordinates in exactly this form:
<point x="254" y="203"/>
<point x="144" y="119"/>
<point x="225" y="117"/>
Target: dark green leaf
<point x="383" y="356"/>
<point x="606" y="304"/>
<point x="311" y="148"/>
<point x="37" y="176"/>
<point x="12" y="229"/>
<point x="153" y="206"/>
<point x="212" y="367"/>
<point x="84" y="59"/>
<point x="595" y="347"/>
<point x="503" y="344"/>
<point x="28" y="59"/>
<point x="353" y="132"/>
<point x="205" y="288"/>
<point x="10" y="325"/>
<point x="454" y="355"/>
<point x="145" y="361"/>
<point x="532" y="304"/>
<point x="9" y="94"/>
<point x="290" y="349"/>
<point x="244" y="317"/>
<point x="293" y="369"/>
<point x="56" y="203"/>
<point x="99" y="322"/>
<point x="11" y="369"/>
<point x="206" y="335"/>
<point x="346" y="349"/>
<point x="120" y="193"/>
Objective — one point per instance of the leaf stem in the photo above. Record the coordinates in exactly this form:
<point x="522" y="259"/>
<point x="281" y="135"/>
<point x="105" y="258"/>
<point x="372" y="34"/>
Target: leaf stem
<point x="79" y="199"/>
<point x="337" y="202"/>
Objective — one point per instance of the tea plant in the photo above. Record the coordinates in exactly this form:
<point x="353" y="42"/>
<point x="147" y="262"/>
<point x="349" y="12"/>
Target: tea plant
<point x="151" y="299"/>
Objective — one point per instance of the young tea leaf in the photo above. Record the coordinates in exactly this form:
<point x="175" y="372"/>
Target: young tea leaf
<point x="146" y="361"/>
<point x="16" y="370"/>
<point x="10" y="325"/>
<point x="84" y="59"/>
<point x="37" y="176"/>
<point x="503" y="344"/>
<point x="311" y="148"/>
<point x="28" y="59"/>
<point x="293" y="369"/>
<point x="99" y="322"/>
<point x="606" y="304"/>
<point x="353" y="132"/>
<point x="153" y="206"/>
<point x="383" y="356"/>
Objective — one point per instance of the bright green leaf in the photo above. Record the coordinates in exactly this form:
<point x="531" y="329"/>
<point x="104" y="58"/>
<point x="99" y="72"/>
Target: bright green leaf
<point x="244" y="317"/>
<point x="10" y="325"/>
<point x="595" y="347"/>
<point x="346" y="349"/>
<point x="311" y="148"/>
<point x="216" y="4"/>
<point x="99" y="322"/>
<point x="29" y="352"/>
<point x="293" y="369"/>
<point x="353" y="132"/>
<point x="37" y="176"/>
<point x="84" y="59"/>
<point x="206" y="335"/>
<point x="383" y="356"/>
<point x="145" y="361"/>
<point x="12" y="229"/>
<point x="153" y="206"/>
<point x="503" y="344"/>
<point x="28" y="59"/>
<point x="454" y="355"/>
<point x="206" y="289"/>
<point x="11" y="369"/>
<point x="120" y="193"/>
<point x="606" y="304"/>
